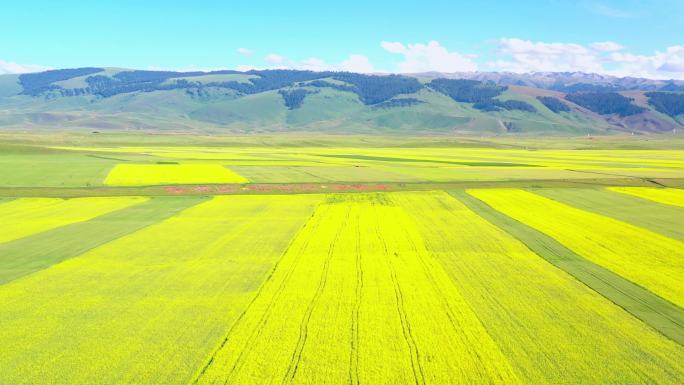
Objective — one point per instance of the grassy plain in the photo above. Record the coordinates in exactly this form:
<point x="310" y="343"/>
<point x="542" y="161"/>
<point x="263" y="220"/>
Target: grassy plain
<point x="321" y="259"/>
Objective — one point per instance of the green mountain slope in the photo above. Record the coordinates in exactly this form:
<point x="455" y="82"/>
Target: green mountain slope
<point x="283" y="100"/>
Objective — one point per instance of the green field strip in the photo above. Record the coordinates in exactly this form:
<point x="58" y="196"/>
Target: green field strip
<point x="659" y="218"/>
<point x="655" y="311"/>
<point x="646" y="258"/>
<point x="36" y="252"/>
<point x="28" y="216"/>
<point x="419" y="160"/>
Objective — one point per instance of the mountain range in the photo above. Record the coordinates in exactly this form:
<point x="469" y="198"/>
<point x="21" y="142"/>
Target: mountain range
<point x="481" y="103"/>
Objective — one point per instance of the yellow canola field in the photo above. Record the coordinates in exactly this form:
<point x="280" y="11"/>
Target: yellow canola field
<point x="668" y="196"/>
<point x="641" y="256"/>
<point x="147" y="308"/>
<point x="551" y="328"/>
<point x="25" y="216"/>
<point x="357" y="299"/>
<point x="161" y="174"/>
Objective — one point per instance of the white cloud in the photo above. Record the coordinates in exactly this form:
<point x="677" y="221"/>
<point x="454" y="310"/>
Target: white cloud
<point x="186" y="69"/>
<point x="610" y="58"/>
<point x="510" y="55"/>
<point x="245" y="68"/>
<point x="606" y="46"/>
<point x="661" y="65"/>
<point x="354" y="63"/>
<point x="8" y="67"/>
<point x="527" y="56"/>
<point x="357" y="63"/>
<point x="609" y="11"/>
<point x="393" y="47"/>
<point x="273" y="58"/>
<point x="429" y="57"/>
<point x="245" y="51"/>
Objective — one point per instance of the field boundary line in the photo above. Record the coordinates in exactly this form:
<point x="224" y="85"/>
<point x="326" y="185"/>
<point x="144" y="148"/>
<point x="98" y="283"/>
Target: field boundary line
<point x="90" y="235"/>
<point x="264" y="284"/>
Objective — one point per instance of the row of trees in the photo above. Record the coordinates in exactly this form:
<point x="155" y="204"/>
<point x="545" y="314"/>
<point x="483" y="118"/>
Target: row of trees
<point x="498" y="105"/>
<point x="399" y="102"/>
<point x="584" y="87"/>
<point x="370" y="89"/>
<point x="377" y="89"/>
<point x="605" y="103"/>
<point x="480" y="94"/>
<point x="467" y="91"/>
<point x="37" y="83"/>
<point x="294" y="98"/>
<point x="553" y="104"/>
<point x="668" y="103"/>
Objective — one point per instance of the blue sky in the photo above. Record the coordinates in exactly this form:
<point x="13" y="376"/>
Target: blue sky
<point x="627" y="37"/>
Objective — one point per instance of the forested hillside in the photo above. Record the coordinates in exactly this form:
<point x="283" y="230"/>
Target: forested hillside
<point x="285" y="100"/>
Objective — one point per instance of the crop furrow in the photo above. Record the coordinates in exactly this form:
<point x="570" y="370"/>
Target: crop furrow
<point x="354" y="356"/>
<point x="268" y="281"/>
<point x="303" y="330"/>
<point x="418" y="376"/>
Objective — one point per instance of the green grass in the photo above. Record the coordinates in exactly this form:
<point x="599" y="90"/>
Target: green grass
<point x="660" y="314"/>
<point x="53" y="170"/>
<point x="261" y="110"/>
<point x="9" y="85"/>
<point x="412" y="160"/>
<point x="27" y="255"/>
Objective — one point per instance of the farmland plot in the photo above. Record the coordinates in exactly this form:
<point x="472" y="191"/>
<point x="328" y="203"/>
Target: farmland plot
<point x="357" y="299"/>
<point x="663" y="219"/>
<point x="651" y="260"/>
<point x="551" y="328"/>
<point x="668" y="196"/>
<point x="38" y="251"/>
<point x="26" y="216"/>
<point x="161" y="174"/>
<point x="149" y="307"/>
